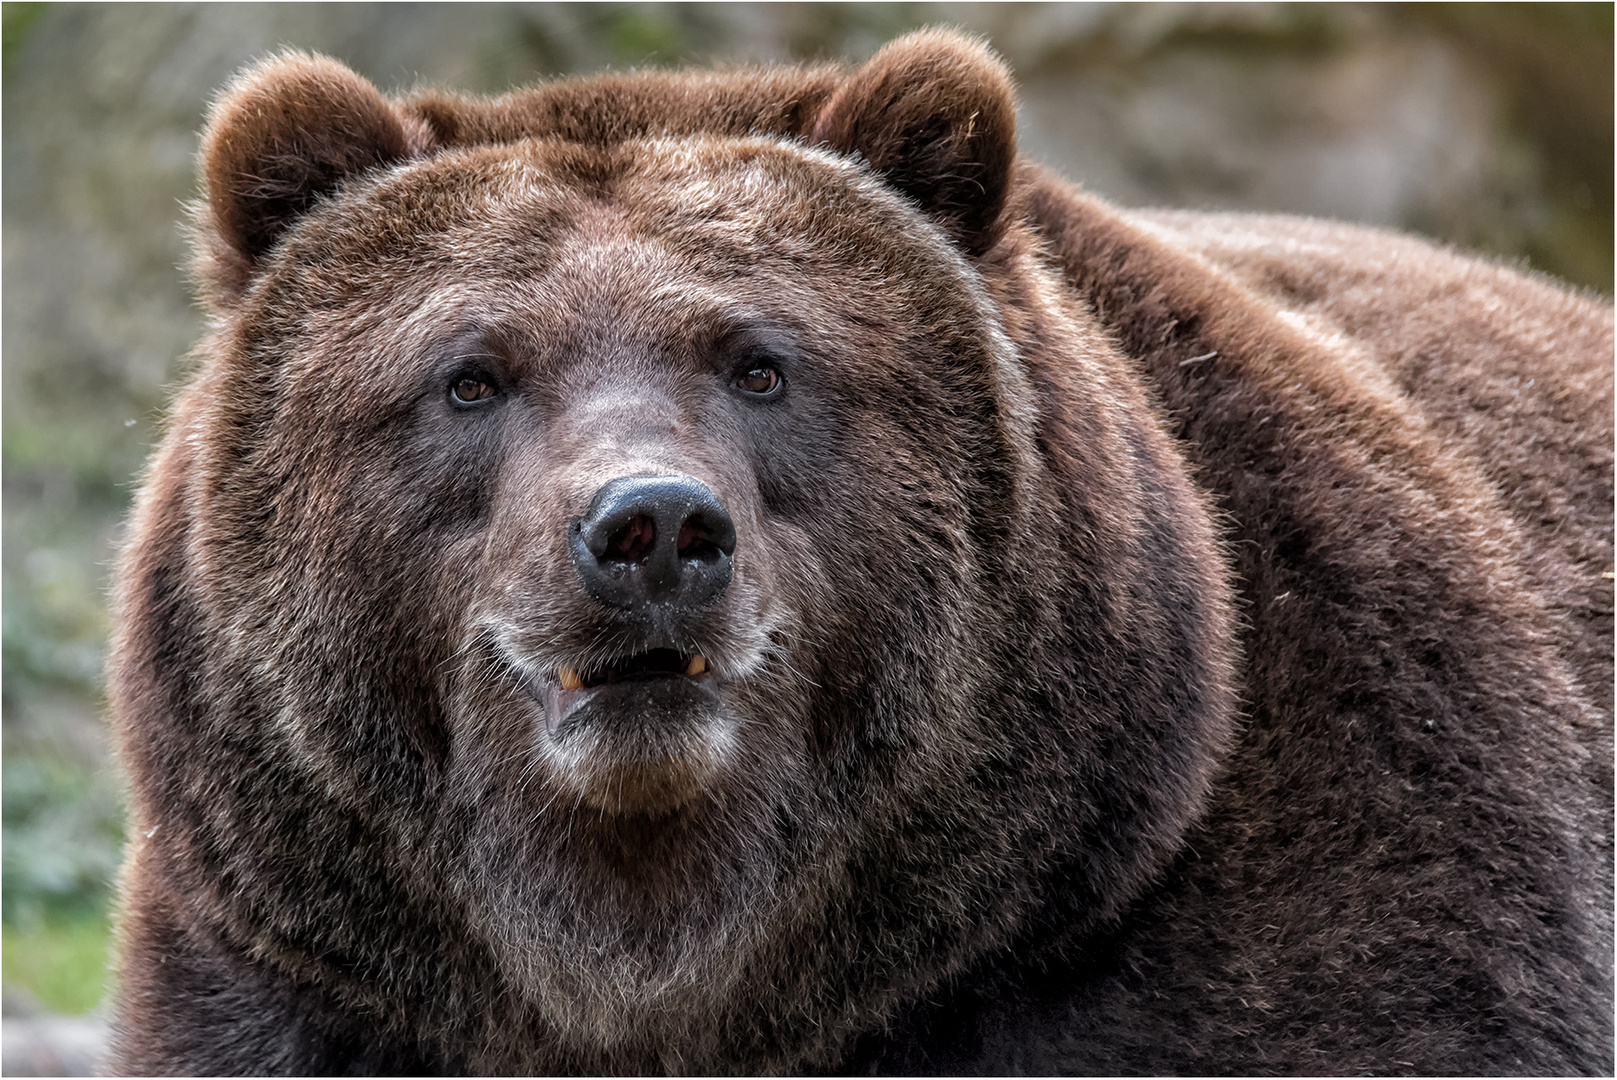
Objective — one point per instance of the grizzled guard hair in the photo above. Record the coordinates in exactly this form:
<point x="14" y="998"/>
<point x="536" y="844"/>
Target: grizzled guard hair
<point x="736" y="571"/>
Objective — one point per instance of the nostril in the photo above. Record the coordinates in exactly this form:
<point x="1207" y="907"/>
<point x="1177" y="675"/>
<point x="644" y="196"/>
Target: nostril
<point x="634" y="540"/>
<point x="699" y="540"/>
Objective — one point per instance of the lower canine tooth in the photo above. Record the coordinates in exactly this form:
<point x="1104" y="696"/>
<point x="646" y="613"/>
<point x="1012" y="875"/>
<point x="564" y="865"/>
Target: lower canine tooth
<point x="570" y="679"/>
<point x="697" y="665"/>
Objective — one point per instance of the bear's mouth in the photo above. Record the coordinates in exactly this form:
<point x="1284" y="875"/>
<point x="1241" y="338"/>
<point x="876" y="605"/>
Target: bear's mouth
<point x="653" y="664"/>
<point x="666" y="682"/>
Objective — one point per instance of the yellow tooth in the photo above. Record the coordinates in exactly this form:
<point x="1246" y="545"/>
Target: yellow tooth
<point x="570" y="679"/>
<point x="697" y="665"/>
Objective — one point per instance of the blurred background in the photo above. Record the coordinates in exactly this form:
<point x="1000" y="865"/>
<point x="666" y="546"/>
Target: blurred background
<point x="1486" y="126"/>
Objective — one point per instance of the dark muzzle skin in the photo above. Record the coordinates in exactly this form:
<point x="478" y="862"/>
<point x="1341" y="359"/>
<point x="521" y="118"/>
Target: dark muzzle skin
<point x="653" y="545"/>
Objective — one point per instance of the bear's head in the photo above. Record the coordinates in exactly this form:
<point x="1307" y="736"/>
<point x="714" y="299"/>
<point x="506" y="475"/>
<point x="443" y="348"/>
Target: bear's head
<point x="661" y="550"/>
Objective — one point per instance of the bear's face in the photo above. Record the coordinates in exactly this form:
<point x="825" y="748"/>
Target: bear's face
<point x="442" y="375"/>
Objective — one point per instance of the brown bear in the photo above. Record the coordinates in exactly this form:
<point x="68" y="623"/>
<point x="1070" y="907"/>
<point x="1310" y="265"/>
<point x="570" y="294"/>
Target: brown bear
<point x="738" y="572"/>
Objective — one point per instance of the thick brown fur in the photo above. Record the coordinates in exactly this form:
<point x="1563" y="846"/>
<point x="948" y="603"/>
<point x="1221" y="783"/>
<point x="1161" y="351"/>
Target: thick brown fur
<point x="1156" y="643"/>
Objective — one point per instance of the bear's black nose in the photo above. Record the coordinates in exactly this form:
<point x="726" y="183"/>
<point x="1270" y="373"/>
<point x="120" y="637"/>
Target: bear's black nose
<point x="646" y="540"/>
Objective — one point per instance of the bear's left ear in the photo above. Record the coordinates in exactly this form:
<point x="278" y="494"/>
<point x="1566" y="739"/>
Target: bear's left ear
<point x="935" y="113"/>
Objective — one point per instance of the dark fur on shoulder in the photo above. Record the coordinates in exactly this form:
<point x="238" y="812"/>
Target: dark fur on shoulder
<point x="1029" y="495"/>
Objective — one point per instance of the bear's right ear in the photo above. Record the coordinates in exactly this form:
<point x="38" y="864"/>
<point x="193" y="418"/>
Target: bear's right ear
<point x="283" y="134"/>
<point x="934" y="112"/>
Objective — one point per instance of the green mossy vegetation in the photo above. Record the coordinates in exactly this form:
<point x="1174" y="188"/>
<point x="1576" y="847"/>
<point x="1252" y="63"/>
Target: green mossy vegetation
<point x="61" y="960"/>
<point x="63" y="833"/>
<point x="15" y="19"/>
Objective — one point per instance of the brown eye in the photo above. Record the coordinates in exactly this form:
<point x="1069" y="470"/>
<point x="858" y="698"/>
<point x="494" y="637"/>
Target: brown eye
<point x="469" y="390"/>
<point x="762" y="381"/>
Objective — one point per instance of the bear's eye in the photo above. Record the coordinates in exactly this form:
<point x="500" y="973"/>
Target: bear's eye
<point x="470" y="389"/>
<point x="761" y="381"/>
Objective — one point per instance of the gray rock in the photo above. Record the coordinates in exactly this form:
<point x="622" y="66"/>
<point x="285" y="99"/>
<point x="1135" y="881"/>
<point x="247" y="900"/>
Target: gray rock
<point x="47" y="1045"/>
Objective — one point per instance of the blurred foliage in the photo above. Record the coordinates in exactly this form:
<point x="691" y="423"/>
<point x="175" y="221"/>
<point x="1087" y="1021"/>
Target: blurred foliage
<point x="16" y="16"/>
<point x="1554" y="62"/>
<point x="60" y="844"/>
<point x="61" y="838"/>
<point x="1487" y="125"/>
<point x="60" y="962"/>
